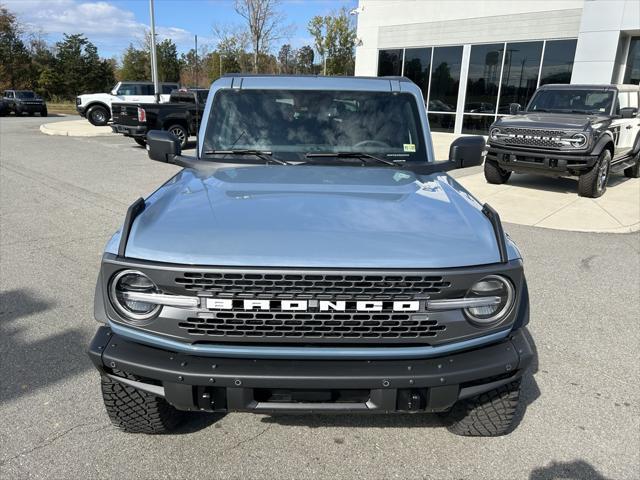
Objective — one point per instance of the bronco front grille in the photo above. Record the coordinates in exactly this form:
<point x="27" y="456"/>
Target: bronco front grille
<point x="532" y="138"/>
<point x="312" y="286"/>
<point x="312" y="325"/>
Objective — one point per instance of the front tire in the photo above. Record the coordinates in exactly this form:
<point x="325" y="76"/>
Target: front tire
<point x="98" y="116"/>
<point x="140" y="141"/>
<point x="180" y="133"/>
<point x="634" y="170"/>
<point x="488" y="415"/>
<point x="44" y="112"/>
<point x="494" y="174"/>
<point x="135" y="411"/>
<point x="593" y="184"/>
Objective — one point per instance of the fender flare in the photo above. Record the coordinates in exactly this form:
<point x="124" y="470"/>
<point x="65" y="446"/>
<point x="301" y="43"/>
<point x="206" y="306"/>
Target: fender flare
<point x="602" y="143"/>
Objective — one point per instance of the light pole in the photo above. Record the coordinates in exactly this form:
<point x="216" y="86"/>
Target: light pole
<point x="154" y="60"/>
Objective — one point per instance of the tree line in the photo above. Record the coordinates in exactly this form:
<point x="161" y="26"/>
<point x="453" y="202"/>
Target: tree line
<point x="72" y="66"/>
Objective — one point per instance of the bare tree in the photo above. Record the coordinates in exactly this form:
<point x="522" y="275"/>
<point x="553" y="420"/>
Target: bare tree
<point x="265" y="23"/>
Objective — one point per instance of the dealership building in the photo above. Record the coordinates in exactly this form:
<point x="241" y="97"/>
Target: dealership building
<point x="472" y="58"/>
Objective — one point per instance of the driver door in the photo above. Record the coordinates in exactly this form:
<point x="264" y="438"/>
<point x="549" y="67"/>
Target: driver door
<point x="628" y="128"/>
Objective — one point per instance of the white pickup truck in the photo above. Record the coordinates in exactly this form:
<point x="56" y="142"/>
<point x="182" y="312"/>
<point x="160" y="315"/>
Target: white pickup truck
<point x="96" y="107"/>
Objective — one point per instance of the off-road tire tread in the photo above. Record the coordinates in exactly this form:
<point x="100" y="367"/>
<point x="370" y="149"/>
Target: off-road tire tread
<point x="487" y="415"/>
<point x="135" y="411"/>
<point x="494" y="174"/>
<point x="587" y="182"/>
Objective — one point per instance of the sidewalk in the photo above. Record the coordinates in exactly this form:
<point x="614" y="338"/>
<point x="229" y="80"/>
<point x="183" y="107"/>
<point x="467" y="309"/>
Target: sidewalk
<point x="75" y="128"/>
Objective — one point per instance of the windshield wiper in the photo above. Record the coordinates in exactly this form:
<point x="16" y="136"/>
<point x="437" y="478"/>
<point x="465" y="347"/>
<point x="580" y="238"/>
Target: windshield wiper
<point x="262" y="154"/>
<point x="360" y="155"/>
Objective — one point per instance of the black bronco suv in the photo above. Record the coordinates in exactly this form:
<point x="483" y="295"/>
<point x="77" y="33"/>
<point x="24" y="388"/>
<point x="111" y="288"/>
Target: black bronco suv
<point x="587" y="131"/>
<point x="24" y="101"/>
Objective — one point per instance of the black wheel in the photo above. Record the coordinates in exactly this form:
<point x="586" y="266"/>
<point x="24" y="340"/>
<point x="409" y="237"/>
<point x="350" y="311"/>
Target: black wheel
<point x="140" y="141"/>
<point x="180" y="133"/>
<point x="634" y="170"/>
<point x="44" y="112"/>
<point x="31" y="113"/>
<point x="494" y="174"/>
<point x="135" y="411"/>
<point x="98" y="116"/>
<point x="593" y="184"/>
<point x="487" y="415"/>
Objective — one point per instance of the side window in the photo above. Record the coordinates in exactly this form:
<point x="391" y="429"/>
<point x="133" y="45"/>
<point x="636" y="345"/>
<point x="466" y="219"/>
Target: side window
<point x="146" y="89"/>
<point x="622" y="102"/>
<point x="167" y="89"/>
<point x="127" y="89"/>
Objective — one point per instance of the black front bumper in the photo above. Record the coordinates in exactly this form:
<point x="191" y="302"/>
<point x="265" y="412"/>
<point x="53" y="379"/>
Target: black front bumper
<point x="268" y="386"/>
<point x="31" y="108"/>
<point x="130" y="131"/>
<point x="81" y="111"/>
<point x="542" y="162"/>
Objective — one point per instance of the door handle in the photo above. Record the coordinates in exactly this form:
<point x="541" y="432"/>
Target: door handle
<point x="629" y="127"/>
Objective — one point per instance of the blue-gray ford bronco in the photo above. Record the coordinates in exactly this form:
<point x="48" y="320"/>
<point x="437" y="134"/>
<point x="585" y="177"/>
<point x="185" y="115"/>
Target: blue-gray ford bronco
<point x="312" y="256"/>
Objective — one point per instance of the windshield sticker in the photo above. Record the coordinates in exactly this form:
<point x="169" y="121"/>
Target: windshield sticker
<point x="409" y="147"/>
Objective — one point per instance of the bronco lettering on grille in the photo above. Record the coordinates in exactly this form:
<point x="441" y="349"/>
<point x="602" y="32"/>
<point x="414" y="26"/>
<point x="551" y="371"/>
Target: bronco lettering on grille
<point x="311" y="305"/>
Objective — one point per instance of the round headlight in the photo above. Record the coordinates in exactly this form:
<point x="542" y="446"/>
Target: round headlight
<point x="132" y="281"/>
<point x="493" y="134"/>
<point x="491" y="286"/>
<point x="579" y="140"/>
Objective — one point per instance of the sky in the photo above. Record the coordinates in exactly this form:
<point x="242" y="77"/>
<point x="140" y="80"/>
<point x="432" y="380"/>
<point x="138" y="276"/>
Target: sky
<point x="112" y="24"/>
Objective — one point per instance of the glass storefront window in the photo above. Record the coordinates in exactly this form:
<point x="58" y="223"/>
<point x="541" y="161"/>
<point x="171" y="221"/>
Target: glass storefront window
<point x="390" y="62"/>
<point x="445" y="79"/>
<point x="442" y="122"/>
<point x="484" y="76"/>
<point x="477" y="124"/>
<point x="632" y="71"/>
<point x="557" y="63"/>
<point x="519" y="74"/>
<point x="417" y="62"/>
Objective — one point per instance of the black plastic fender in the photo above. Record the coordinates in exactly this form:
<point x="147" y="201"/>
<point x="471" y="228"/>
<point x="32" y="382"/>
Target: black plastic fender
<point x="601" y="143"/>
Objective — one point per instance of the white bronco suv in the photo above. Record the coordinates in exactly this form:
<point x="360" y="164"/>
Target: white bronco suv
<point x="96" y="107"/>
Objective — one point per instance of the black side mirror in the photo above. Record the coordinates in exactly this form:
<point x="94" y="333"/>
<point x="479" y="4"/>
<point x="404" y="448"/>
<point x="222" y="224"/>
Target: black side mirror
<point x="467" y="151"/>
<point x="628" y="112"/>
<point x="514" y="108"/>
<point x="162" y="146"/>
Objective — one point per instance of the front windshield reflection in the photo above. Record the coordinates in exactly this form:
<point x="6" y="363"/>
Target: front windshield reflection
<point x="292" y="123"/>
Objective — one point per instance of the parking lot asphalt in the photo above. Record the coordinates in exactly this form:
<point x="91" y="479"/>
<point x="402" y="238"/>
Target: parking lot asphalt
<point x="60" y="200"/>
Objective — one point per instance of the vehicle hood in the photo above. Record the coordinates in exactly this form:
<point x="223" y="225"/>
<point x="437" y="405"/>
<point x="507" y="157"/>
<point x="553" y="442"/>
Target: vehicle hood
<point x="553" y="121"/>
<point x="312" y="216"/>
<point x="104" y="97"/>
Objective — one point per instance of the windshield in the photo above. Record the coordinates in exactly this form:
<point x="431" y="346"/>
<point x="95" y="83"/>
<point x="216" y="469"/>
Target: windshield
<point x="572" y="101"/>
<point x="25" y="94"/>
<point x="293" y="123"/>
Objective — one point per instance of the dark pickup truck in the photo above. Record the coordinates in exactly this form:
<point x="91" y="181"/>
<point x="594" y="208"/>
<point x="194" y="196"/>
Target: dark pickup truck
<point x="180" y="116"/>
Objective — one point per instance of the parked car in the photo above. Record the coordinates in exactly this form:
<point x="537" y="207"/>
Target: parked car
<point x="96" y="107"/>
<point x="180" y="116"/>
<point x="312" y="257"/>
<point x="586" y="131"/>
<point x="24" y="101"/>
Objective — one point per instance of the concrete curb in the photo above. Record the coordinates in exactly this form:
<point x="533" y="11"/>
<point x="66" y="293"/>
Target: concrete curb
<point x="75" y="128"/>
